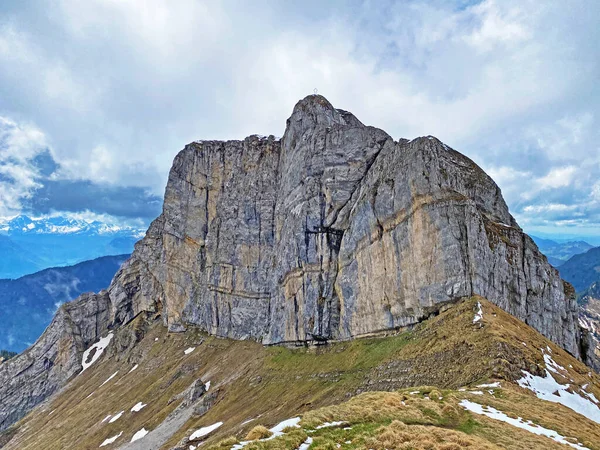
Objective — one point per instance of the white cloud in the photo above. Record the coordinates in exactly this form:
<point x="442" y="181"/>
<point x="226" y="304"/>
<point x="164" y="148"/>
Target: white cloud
<point x="119" y="86"/>
<point x="18" y="145"/>
<point x="550" y="207"/>
<point x="557" y="178"/>
<point x="499" y="26"/>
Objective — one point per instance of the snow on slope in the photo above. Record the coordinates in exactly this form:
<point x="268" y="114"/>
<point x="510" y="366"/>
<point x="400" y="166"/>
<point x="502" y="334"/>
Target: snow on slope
<point x="99" y="347"/>
<point x="547" y="388"/>
<point x="493" y="413"/>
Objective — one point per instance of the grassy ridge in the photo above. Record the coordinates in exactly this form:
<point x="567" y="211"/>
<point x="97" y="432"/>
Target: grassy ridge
<point x="263" y="385"/>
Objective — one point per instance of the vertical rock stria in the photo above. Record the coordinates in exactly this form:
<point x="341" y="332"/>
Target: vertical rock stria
<point x="332" y="232"/>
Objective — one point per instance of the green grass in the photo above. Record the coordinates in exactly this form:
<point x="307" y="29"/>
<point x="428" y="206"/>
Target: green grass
<point x="354" y="355"/>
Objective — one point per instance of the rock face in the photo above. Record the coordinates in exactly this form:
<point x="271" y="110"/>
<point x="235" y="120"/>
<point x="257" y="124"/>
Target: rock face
<point x="47" y="365"/>
<point x="589" y="318"/>
<point x="334" y="231"/>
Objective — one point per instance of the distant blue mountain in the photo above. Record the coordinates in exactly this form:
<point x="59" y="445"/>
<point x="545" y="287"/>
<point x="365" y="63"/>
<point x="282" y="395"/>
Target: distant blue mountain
<point x="559" y="252"/>
<point x="27" y="304"/>
<point x="28" y="245"/>
<point x="14" y="260"/>
<point x="582" y="270"/>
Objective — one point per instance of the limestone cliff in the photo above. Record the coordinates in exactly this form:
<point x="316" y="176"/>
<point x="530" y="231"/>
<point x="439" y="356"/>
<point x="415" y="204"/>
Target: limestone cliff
<point x="332" y="232"/>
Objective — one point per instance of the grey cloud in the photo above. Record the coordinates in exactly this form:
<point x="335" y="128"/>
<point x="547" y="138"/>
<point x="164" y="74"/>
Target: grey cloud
<point x="45" y="163"/>
<point x="84" y="195"/>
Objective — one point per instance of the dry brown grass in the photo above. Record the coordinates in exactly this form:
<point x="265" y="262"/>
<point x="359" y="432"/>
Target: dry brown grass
<point x="376" y="407"/>
<point x="258" y="432"/>
<point x="398" y="435"/>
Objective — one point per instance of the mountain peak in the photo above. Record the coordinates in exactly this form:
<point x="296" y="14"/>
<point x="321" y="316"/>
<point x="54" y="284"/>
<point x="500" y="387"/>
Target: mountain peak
<point x="315" y="111"/>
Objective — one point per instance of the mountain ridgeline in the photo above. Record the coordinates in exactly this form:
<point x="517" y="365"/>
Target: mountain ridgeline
<point x="560" y="252"/>
<point x="333" y="232"/>
<point x="582" y="270"/>
<point x="30" y="245"/>
<point x="28" y="304"/>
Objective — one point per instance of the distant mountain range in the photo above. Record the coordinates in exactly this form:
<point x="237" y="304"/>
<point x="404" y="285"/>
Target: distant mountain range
<point x="23" y="225"/>
<point x="559" y="252"/>
<point x="27" y="304"/>
<point x="28" y="245"/>
<point x="582" y="270"/>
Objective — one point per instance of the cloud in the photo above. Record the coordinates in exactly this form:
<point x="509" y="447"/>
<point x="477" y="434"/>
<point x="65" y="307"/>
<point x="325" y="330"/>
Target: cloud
<point x="19" y="145"/>
<point x="30" y="182"/>
<point x="118" y="87"/>
<point x="74" y="196"/>
<point x="557" y="178"/>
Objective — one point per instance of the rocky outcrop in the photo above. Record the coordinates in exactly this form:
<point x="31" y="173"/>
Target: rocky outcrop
<point x="54" y="359"/>
<point x="332" y="232"/>
<point x="589" y="318"/>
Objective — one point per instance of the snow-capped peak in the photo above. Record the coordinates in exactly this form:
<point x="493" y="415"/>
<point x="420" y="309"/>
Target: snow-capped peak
<point x="64" y="225"/>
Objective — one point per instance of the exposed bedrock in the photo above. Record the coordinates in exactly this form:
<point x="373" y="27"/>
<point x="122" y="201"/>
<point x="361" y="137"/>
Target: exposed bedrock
<point x="332" y="232"/>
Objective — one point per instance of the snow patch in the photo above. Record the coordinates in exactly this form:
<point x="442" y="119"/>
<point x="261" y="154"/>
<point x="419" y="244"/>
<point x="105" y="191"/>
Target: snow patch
<point x="490" y="385"/>
<point x="250" y="420"/>
<point x="478" y="314"/>
<point x="110" y="378"/>
<point x="116" y="417"/>
<point x="106" y="418"/>
<point x="591" y="396"/>
<point x="139" y="435"/>
<point x="547" y="388"/>
<point x="330" y="424"/>
<point x="204" y="431"/>
<point x="189" y="350"/>
<point x="207" y="385"/>
<point x="528" y="425"/>
<point x="276" y="431"/>
<point x="99" y="347"/>
<point x="111" y="440"/>
<point x="552" y="366"/>
<point x="306" y="444"/>
<point x="132" y="369"/>
<point x="138" y="407"/>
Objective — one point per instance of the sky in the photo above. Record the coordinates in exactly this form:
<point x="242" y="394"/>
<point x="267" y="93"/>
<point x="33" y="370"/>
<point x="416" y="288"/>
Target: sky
<point x="97" y="97"/>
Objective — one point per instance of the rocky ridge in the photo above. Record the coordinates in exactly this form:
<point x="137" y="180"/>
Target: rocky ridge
<point x="44" y="368"/>
<point x="333" y="232"/>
